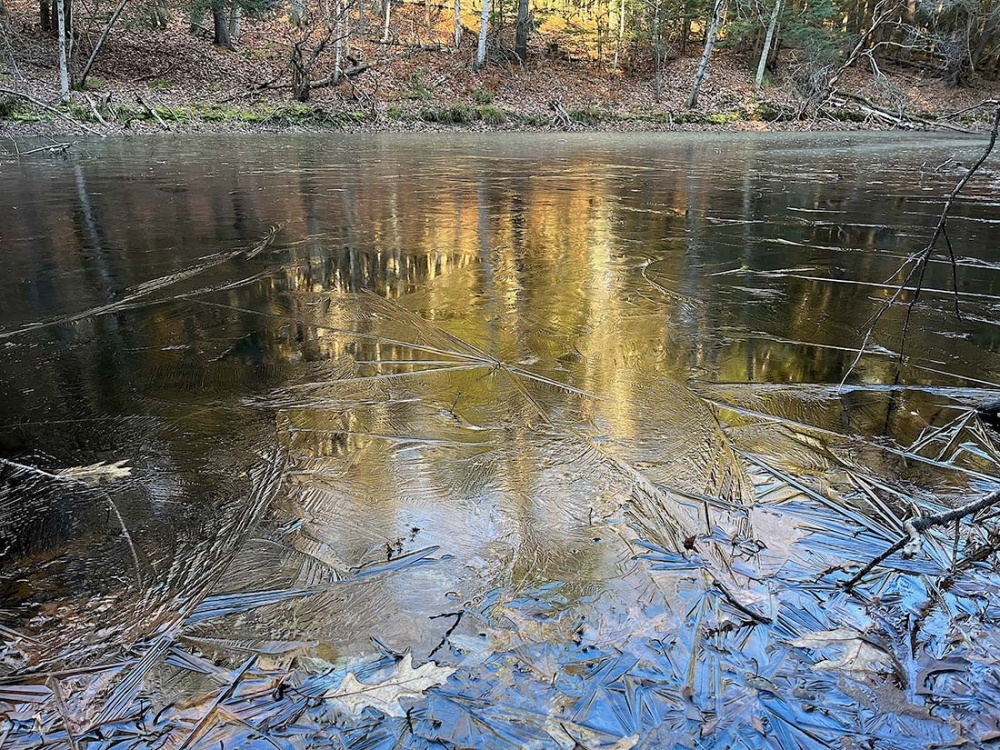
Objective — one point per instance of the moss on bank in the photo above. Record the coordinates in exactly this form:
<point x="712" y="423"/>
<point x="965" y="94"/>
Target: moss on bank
<point x="481" y="114"/>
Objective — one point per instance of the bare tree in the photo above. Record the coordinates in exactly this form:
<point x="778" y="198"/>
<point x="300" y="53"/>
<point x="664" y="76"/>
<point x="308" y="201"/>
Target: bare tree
<point x="621" y="34"/>
<point x="63" y="62"/>
<point x="484" y="27"/>
<point x="522" y="31"/>
<point x="771" y="26"/>
<point x="235" y="21"/>
<point x="713" y="32"/>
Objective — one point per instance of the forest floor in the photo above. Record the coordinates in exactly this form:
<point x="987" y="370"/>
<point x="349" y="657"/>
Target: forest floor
<point x="149" y="80"/>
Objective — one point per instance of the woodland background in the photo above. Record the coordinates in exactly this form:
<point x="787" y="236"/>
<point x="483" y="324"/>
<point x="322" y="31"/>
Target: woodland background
<point x="626" y="64"/>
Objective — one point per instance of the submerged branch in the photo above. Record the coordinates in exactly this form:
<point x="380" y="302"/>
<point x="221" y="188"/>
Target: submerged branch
<point x="112" y="506"/>
<point x="915" y="265"/>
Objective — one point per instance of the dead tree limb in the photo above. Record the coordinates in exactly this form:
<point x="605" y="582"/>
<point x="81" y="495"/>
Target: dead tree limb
<point x="883" y="10"/>
<point x="902" y="120"/>
<point x="93" y="109"/>
<point x="100" y="43"/>
<point x="910" y="544"/>
<point x="53" y="110"/>
<point x="54" y="148"/>
<point x="152" y="111"/>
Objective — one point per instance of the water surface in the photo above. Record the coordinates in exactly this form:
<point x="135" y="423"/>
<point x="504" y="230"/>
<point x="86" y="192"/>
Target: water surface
<point x="560" y="416"/>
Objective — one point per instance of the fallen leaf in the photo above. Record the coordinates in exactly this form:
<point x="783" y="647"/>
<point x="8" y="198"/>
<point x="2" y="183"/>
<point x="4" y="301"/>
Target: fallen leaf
<point x="859" y="655"/>
<point x="405" y="682"/>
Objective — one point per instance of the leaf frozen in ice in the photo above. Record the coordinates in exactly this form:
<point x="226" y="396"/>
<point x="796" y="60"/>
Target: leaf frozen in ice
<point x="99" y="472"/>
<point x="405" y="682"/>
<point x="859" y="654"/>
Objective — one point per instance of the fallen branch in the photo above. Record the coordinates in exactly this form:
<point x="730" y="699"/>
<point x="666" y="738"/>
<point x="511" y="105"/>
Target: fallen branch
<point x="904" y="120"/>
<point x="55" y="148"/>
<point x="53" y="110"/>
<point x="910" y="544"/>
<point x="155" y="74"/>
<point x="334" y="78"/>
<point x="152" y="111"/>
<point x="959" y="113"/>
<point x="93" y="108"/>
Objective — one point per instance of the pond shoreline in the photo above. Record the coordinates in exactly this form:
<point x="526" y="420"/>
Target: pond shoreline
<point x="56" y="129"/>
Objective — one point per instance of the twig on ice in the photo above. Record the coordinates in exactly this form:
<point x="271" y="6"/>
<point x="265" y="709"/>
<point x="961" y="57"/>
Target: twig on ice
<point x="910" y="544"/>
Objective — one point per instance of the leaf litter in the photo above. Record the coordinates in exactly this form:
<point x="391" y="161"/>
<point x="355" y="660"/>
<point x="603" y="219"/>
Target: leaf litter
<point x="443" y="539"/>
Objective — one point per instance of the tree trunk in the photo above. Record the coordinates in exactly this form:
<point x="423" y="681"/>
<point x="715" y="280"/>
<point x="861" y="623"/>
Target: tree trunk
<point x="300" y="74"/>
<point x="621" y="34"/>
<point x="385" y="25"/>
<point x="235" y="19"/>
<point x="713" y="32"/>
<point x="63" y="64"/>
<point x="221" y="27"/>
<point x="338" y="43"/>
<point x="767" y="43"/>
<point x="458" y="23"/>
<point x="45" y="13"/>
<point x="100" y="42"/>
<point x="345" y="11"/>
<point x="523" y="29"/>
<point x="161" y="16"/>
<point x="484" y="27"/>
<point x="656" y="52"/>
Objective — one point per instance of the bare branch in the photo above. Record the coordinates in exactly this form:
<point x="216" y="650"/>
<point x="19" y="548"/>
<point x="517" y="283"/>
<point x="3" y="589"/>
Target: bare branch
<point x="918" y="262"/>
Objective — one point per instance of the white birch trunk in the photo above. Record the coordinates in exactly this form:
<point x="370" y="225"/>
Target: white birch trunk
<point x="621" y="34"/>
<point x="385" y="25"/>
<point x="484" y="27"/>
<point x="713" y="32"/>
<point x="235" y="17"/>
<point x="458" y="23"/>
<point x="767" y="43"/>
<point x="338" y="45"/>
<point x="63" y="63"/>
<point x="345" y="12"/>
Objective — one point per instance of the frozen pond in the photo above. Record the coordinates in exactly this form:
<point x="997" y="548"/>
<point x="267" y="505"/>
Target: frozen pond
<point x="494" y="441"/>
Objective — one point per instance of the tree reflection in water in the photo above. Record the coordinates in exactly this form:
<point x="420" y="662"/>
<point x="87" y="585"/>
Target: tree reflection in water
<point x="561" y="413"/>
